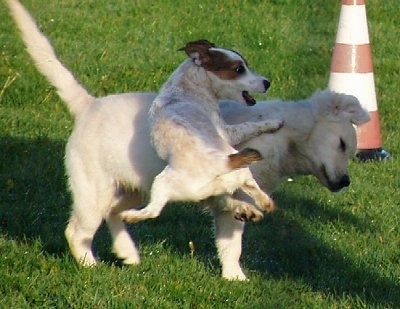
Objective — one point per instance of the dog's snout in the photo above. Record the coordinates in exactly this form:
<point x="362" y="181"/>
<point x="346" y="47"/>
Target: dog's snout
<point x="344" y="181"/>
<point x="337" y="184"/>
<point x="267" y="84"/>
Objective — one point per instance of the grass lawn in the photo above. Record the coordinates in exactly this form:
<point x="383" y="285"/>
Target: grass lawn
<point x="319" y="250"/>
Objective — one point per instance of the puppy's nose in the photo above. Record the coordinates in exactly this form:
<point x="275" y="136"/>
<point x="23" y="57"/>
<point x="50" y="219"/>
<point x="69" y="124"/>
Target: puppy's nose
<point x="345" y="181"/>
<point x="267" y="84"/>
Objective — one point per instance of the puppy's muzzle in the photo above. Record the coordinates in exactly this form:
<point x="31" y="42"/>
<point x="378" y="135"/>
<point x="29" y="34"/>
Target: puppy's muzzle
<point x="344" y="181"/>
<point x="339" y="185"/>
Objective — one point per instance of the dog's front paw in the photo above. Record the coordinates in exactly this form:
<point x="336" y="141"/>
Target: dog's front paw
<point x="246" y="212"/>
<point x="235" y="276"/>
<point x="272" y="125"/>
<point x="268" y="205"/>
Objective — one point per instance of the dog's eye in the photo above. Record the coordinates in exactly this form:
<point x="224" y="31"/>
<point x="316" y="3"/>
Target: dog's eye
<point x="240" y="69"/>
<point x="342" y="145"/>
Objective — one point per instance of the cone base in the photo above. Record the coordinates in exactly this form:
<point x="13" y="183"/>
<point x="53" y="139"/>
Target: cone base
<point x="378" y="154"/>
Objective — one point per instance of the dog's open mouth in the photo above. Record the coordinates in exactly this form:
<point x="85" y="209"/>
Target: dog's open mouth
<point x="248" y="98"/>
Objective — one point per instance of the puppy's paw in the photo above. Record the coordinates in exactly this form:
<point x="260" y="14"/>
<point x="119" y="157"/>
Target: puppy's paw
<point x="272" y="125"/>
<point x="268" y="205"/>
<point x="235" y="276"/>
<point x="246" y="212"/>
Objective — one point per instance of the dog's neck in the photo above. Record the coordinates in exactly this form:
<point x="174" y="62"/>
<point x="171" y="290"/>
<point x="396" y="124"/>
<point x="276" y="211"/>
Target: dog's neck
<point x="298" y="133"/>
<point x="189" y="83"/>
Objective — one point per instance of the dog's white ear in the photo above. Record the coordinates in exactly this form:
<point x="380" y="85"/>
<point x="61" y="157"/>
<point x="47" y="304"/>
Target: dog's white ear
<point x="198" y="51"/>
<point x="349" y="107"/>
<point x="340" y="106"/>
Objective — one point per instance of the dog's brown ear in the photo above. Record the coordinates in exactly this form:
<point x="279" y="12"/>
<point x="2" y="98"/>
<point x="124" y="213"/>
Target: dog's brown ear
<point x="198" y="51"/>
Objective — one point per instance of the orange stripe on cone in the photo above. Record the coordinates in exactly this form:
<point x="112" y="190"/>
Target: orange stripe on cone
<point x="352" y="58"/>
<point x="368" y="134"/>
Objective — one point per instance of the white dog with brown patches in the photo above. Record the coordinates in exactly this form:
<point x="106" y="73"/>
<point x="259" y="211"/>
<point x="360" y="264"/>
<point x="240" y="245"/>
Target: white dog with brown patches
<point x="186" y="127"/>
<point x="111" y="163"/>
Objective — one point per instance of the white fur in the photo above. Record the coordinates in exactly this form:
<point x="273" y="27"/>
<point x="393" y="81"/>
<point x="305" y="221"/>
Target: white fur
<point x="187" y="132"/>
<point x="109" y="168"/>
<point x="310" y="139"/>
<point x="110" y="147"/>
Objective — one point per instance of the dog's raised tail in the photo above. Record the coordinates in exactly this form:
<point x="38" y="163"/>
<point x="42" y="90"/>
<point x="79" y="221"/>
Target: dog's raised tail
<point x="244" y="158"/>
<point x="68" y="88"/>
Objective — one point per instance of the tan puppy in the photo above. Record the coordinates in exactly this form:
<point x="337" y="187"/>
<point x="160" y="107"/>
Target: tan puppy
<point x="318" y="139"/>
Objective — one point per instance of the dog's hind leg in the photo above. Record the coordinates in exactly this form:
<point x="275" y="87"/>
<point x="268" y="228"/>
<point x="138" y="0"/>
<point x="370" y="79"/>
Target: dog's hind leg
<point x="243" y="179"/>
<point x="241" y="210"/>
<point x="173" y="185"/>
<point x="262" y="200"/>
<point x="79" y="234"/>
<point x="91" y="204"/>
<point x="123" y="245"/>
<point x="162" y="188"/>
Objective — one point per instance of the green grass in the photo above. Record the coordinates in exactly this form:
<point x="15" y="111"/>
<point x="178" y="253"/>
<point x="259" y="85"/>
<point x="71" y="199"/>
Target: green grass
<point x="320" y="250"/>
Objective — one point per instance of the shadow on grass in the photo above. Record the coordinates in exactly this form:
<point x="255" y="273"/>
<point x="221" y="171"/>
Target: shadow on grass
<point x="34" y="204"/>
<point x="281" y="247"/>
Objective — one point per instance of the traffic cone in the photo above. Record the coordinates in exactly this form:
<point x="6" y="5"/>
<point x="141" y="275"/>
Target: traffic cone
<point x="352" y="73"/>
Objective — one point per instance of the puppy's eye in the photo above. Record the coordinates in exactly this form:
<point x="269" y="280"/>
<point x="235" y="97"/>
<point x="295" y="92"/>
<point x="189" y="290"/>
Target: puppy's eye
<point x="240" y="69"/>
<point x="342" y="145"/>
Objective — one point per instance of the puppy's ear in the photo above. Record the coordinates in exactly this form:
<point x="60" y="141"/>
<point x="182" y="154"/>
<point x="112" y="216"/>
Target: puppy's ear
<point x="198" y="51"/>
<point x="345" y="106"/>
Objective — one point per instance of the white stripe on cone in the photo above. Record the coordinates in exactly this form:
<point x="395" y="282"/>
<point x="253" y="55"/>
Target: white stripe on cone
<point x="353" y="28"/>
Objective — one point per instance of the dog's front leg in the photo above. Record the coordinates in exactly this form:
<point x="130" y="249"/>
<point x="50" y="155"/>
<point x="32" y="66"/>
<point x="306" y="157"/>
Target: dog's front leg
<point x="228" y="240"/>
<point x="243" y="132"/>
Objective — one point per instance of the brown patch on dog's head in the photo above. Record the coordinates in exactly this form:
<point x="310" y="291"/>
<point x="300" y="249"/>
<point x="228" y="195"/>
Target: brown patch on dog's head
<point x="205" y="54"/>
<point x="198" y="51"/>
<point x="231" y="78"/>
<point x="197" y="46"/>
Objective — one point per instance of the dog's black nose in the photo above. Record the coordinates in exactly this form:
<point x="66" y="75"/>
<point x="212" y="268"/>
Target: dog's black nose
<point x="267" y="84"/>
<point x="345" y="181"/>
<point x="340" y="184"/>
